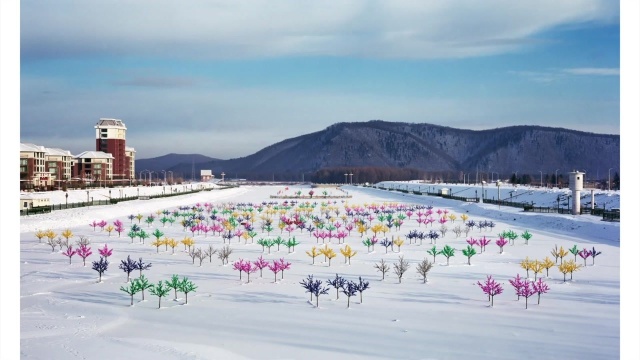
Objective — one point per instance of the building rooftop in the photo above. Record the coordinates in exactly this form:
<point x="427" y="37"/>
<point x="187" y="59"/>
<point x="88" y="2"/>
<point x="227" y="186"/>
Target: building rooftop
<point x="93" y="155"/>
<point x="110" y="122"/>
<point x="128" y="148"/>
<point x="32" y="148"/>
<point x="59" y="152"/>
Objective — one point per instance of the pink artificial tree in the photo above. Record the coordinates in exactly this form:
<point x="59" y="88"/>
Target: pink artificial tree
<point x="239" y="265"/>
<point x="540" y="288"/>
<point x="349" y="227"/>
<point x="472" y="241"/>
<point x="119" y="226"/>
<point x="284" y="265"/>
<point x="69" y="253"/>
<point x="105" y="251"/>
<point x="83" y="251"/>
<point x="491" y="288"/>
<point x="483" y="243"/>
<point x="518" y="283"/>
<point x="102" y="224"/>
<point x="527" y="290"/>
<point x="249" y="268"/>
<point x="94" y="224"/>
<point x="261" y="264"/>
<point x="501" y="242"/>
<point x="584" y="254"/>
<point x="275" y="267"/>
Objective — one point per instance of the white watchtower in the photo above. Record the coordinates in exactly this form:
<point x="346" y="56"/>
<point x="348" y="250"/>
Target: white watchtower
<point x="575" y="185"/>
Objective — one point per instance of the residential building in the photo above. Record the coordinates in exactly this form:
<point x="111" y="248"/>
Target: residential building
<point x="111" y="139"/>
<point x="130" y="153"/>
<point x="58" y="164"/>
<point x="32" y="167"/>
<point x="93" y="166"/>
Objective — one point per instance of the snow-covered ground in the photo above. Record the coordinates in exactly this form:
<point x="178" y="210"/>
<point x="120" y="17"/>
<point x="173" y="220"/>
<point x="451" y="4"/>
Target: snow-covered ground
<point x="66" y="313"/>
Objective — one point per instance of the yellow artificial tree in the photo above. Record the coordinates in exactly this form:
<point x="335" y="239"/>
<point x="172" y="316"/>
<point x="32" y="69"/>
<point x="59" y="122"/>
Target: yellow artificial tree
<point x="348" y="253"/>
<point x="313" y="253"/>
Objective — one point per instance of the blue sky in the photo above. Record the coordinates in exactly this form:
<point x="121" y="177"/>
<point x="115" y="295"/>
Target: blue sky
<point x="225" y="79"/>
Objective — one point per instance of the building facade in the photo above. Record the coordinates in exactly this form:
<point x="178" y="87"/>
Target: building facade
<point x="32" y="167"/>
<point x="58" y="164"/>
<point x="94" y="167"/>
<point x="130" y="153"/>
<point x="111" y="139"/>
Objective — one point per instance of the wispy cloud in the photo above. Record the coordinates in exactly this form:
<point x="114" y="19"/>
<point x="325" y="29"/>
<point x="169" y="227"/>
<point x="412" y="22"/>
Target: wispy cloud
<point x="593" y="71"/>
<point x="266" y="28"/>
<point x="157" y="82"/>
<point x="537" y="76"/>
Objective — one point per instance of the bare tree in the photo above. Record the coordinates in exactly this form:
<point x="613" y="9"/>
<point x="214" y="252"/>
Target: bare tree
<point x="193" y="253"/>
<point x="64" y="243"/>
<point x="443" y="230"/>
<point x="423" y="269"/>
<point x="382" y="267"/>
<point x="224" y="253"/>
<point x="401" y="267"/>
<point x="210" y="251"/>
<point x="53" y="243"/>
<point x="83" y="240"/>
<point x="201" y="255"/>
<point x="457" y="230"/>
<point x="466" y="231"/>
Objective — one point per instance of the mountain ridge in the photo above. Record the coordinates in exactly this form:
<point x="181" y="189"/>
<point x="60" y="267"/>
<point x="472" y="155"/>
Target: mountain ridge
<point x="423" y="146"/>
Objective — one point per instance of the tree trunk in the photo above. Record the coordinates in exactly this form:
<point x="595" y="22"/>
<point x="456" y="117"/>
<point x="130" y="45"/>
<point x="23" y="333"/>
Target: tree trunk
<point x="185" y="298"/>
<point x="159" y="298"/>
<point x="131" y="299"/>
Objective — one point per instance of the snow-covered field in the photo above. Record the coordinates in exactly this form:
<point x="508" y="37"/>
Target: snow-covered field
<point x="66" y="313"/>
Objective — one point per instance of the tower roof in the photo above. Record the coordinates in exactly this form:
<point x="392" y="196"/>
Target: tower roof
<point x="106" y="122"/>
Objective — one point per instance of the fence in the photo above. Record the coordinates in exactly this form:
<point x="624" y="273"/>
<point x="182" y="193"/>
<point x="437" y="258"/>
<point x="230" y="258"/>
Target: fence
<point x="612" y="215"/>
<point x="49" y="208"/>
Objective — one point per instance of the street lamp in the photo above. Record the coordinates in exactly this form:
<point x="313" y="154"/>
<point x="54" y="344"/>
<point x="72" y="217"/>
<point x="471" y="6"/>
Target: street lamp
<point x="350" y="178"/>
<point x="482" y="194"/>
<point x="540" y="178"/>
<point x="557" y="177"/>
<point x="66" y="199"/>
<point x="222" y="177"/>
<point x="87" y="196"/>
<point x="165" y="176"/>
<point x="610" y="179"/>
<point x="498" y="183"/>
<point x="345" y="177"/>
<point x="171" y="177"/>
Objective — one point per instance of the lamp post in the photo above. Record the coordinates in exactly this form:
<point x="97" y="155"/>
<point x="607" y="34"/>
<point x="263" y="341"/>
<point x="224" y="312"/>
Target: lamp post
<point x="557" y="177"/>
<point x="66" y="199"/>
<point x="222" y="177"/>
<point x="482" y="194"/>
<point x="498" y="183"/>
<point x="151" y="176"/>
<point x="87" y="196"/>
<point x="165" y="176"/>
<point x="171" y="177"/>
<point x="610" y="178"/>
<point x="350" y="178"/>
<point x="540" y="178"/>
<point x="345" y="177"/>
